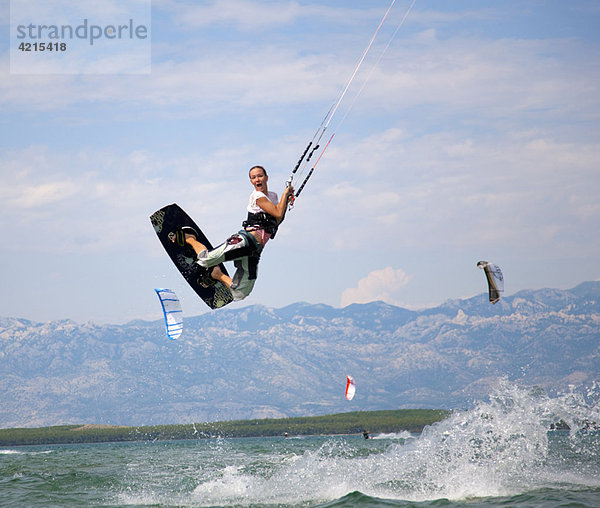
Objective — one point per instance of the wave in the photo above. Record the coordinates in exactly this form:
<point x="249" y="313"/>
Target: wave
<point x="23" y="452"/>
<point x="405" y="435"/>
<point x="499" y="448"/>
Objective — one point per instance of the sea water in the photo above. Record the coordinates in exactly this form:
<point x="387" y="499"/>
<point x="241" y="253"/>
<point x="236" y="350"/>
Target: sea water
<point x="499" y="453"/>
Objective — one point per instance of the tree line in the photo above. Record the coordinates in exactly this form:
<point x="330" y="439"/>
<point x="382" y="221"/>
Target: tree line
<point x="385" y="421"/>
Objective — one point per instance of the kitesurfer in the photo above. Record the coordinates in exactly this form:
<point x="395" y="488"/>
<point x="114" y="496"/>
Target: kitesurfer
<point x="265" y="213"/>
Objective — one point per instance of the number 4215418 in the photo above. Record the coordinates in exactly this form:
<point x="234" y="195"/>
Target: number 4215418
<point x="43" y="46"/>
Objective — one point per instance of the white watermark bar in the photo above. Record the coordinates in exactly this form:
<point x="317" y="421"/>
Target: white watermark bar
<point x="80" y="37"/>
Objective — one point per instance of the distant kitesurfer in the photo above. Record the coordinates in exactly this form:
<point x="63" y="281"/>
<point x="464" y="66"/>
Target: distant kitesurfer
<point x="265" y="213"/>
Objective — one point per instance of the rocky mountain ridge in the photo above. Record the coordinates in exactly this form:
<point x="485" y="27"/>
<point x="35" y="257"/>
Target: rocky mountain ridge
<point x="258" y="362"/>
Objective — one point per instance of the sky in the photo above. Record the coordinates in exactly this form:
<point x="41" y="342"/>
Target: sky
<point x="476" y="136"/>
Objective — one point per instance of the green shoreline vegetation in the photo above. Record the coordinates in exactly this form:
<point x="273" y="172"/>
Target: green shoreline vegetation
<point x="386" y="421"/>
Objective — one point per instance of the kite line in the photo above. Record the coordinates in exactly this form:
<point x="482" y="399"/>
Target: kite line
<point x="314" y="144"/>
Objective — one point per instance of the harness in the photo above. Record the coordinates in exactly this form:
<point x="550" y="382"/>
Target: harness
<point x="261" y="220"/>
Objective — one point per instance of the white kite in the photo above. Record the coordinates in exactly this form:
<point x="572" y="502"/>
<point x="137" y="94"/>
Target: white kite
<point x="172" y="311"/>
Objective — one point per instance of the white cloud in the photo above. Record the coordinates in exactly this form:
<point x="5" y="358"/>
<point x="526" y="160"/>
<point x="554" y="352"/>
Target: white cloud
<point x="40" y="195"/>
<point x="251" y="16"/>
<point x="521" y="188"/>
<point x="484" y="81"/>
<point x="241" y="13"/>
<point x="378" y="285"/>
<point x="105" y="197"/>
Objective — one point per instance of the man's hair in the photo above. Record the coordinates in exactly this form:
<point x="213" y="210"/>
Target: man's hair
<point x="258" y="167"/>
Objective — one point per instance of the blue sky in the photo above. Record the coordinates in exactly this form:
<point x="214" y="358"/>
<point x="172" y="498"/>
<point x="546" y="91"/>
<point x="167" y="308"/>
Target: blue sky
<point x="475" y="138"/>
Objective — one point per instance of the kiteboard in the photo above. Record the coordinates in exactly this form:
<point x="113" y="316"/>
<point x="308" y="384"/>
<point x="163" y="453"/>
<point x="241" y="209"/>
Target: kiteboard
<point x="167" y="223"/>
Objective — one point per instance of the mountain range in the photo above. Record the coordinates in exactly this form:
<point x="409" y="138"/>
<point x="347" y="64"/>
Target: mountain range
<point x="260" y="362"/>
